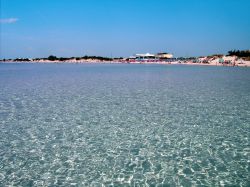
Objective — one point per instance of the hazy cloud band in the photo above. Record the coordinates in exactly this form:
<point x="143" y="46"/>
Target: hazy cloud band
<point x="9" y="20"/>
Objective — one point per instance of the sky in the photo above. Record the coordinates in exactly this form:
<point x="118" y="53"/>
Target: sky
<point x="121" y="28"/>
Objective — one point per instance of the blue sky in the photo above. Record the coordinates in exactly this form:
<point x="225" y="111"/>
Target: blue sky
<point x="39" y="28"/>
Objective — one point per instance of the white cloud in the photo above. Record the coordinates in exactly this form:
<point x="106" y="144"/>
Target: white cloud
<point x="9" y="20"/>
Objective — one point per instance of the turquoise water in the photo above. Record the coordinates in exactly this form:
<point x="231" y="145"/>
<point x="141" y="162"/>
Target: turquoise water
<point x="124" y="125"/>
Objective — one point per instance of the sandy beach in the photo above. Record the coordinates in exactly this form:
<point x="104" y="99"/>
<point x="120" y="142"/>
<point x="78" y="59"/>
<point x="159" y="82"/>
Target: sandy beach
<point x="240" y="63"/>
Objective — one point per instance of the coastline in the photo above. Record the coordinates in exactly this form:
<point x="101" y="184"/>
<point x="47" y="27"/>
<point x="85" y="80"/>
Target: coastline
<point x="236" y="64"/>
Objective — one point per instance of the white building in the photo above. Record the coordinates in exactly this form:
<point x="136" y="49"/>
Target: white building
<point x="147" y="55"/>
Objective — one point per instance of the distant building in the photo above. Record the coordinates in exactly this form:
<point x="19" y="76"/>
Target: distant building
<point x="164" y="55"/>
<point x="147" y="57"/>
<point x="143" y="56"/>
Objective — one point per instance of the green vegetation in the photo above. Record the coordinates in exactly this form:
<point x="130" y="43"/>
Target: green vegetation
<point x="96" y="58"/>
<point x="238" y="53"/>
<point x="244" y="54"/>
<point x="216" y="55"/>
<point x="21" y="60"/>
<point x="55" y="58"/>
<point x="52" y="58"/>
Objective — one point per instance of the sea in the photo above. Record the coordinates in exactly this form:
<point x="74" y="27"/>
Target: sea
<point x="124" y="125"/>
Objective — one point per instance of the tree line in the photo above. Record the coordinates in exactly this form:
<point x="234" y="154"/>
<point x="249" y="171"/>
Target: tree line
<point x="54" y="58"/>
<point x="238" y="53"/>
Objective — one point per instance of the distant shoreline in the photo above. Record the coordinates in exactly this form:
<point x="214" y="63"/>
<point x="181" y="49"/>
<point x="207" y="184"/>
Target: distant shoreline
<point x="237" y="64"/>
<point x="234" y="58"/>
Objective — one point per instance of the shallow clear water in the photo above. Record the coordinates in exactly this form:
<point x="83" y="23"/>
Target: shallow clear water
<point x="134" y="125"/>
